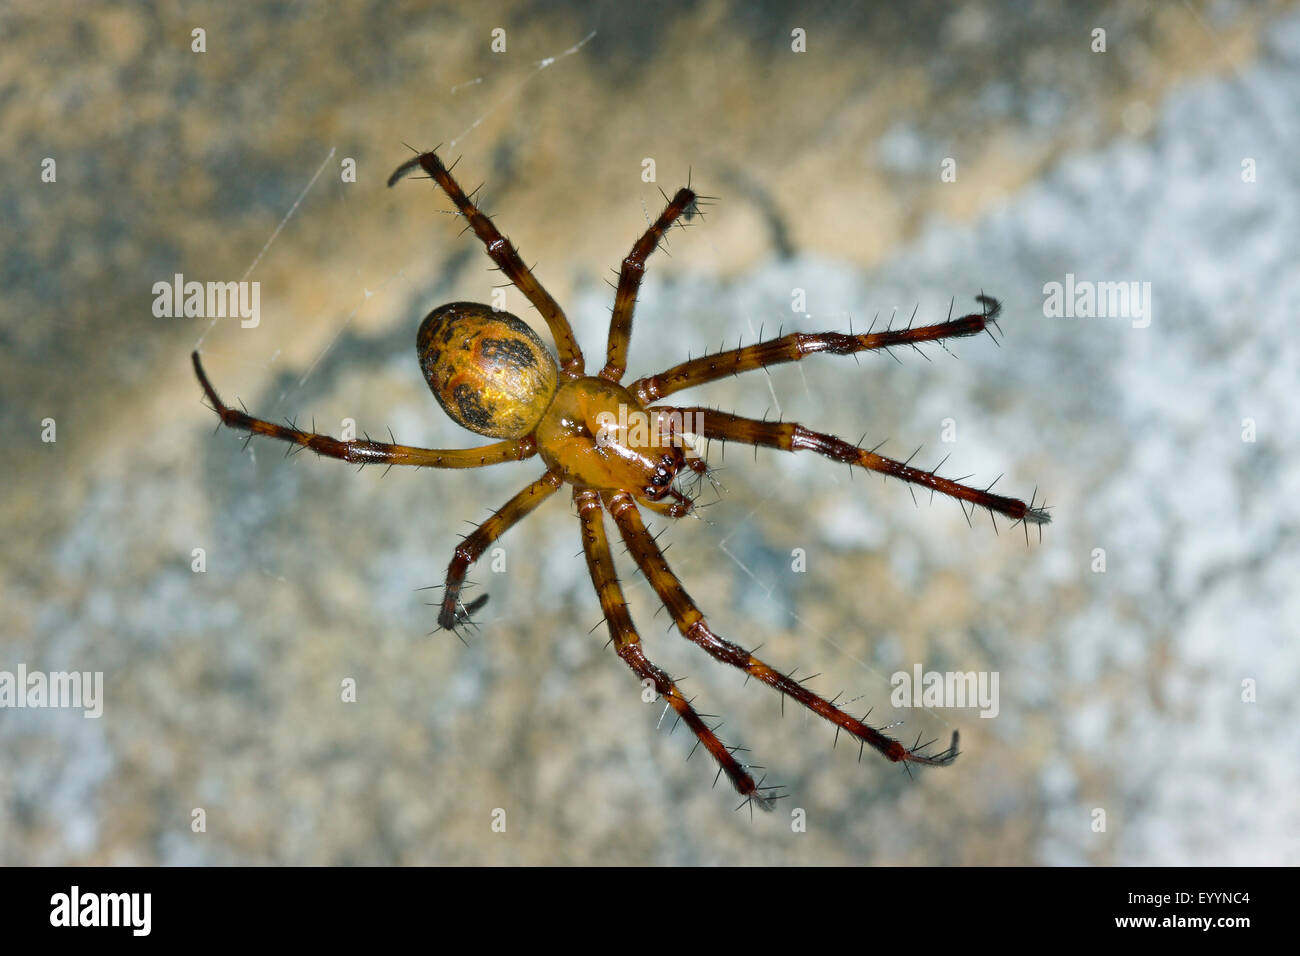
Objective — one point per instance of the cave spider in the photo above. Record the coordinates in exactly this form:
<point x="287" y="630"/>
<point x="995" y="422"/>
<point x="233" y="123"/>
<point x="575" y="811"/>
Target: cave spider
<point x="621" y="451"/>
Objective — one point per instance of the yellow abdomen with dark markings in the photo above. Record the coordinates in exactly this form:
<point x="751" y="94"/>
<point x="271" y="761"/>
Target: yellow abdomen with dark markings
<point x="488" y="370"/>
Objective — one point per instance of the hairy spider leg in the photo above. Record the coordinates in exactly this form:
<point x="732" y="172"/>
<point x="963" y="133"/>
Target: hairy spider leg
<point x="790" y="436"/>
<point x="629" y="282"/>
<point x="693" y="626"/>
<point x="471" y="549"/>
<point x="793" y="347"/>
<point x="627" y="644"/>
<point x="506" y="258"/>
<point x="366" y="452"/>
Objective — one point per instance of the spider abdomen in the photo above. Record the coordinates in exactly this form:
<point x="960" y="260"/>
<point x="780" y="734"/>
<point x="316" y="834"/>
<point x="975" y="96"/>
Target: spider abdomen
<point x="489" y="371"/>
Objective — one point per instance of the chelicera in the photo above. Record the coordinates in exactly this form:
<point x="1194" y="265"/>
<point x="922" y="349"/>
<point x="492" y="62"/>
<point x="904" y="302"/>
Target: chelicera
<point x="492" y="374"/>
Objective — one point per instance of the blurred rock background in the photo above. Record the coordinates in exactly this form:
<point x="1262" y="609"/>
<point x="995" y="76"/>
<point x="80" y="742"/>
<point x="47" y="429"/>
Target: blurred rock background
<point x="1120" y="691"/>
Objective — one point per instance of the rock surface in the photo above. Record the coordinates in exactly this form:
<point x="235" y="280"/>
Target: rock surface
<point x="1120" y="691"/>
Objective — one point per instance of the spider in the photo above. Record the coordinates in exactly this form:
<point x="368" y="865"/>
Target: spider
<point x="492" y="374"/>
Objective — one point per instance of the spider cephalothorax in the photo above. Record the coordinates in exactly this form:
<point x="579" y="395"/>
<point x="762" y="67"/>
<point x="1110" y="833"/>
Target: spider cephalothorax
<point x="620" y="451"/>
<point x="581" y="438"/>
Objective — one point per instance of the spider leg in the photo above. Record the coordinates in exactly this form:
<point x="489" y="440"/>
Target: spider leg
<point x="506" y="258"/>
<point x="472" y="548"/>
<point x="366" y="452"/>
<point x="629" y="282"/>
<point x="679" y="507"/>
<point x="627" y="643"/>
<point x="793" y="347"/>
<point x="789" y="436"/>
<point x="692" y="625"/>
